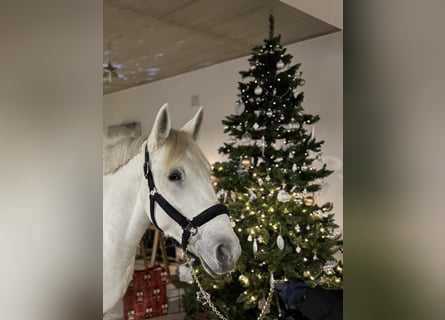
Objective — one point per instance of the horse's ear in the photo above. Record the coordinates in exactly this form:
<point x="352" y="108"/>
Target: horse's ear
<point x="161" y="127"/>
<point x="194" y="125"/>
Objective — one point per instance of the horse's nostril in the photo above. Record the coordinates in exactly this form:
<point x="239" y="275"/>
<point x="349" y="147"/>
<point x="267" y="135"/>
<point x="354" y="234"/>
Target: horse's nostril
<point x="223" y="254"/>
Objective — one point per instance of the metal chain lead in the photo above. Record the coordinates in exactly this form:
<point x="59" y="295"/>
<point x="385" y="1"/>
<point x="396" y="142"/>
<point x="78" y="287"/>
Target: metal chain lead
<point x="206" y="295"/>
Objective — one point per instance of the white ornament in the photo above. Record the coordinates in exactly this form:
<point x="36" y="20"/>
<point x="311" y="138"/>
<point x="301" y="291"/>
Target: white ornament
<point x="269" y="113"/>
<point x="239" y="107"/>
<point x="294" y="167"/>
<point x="185" y="273"/>
<point x="283" y="196"/>
<point x="263" y="145"/>
<point x="298" y="249"/>
<point x="280" y="65"/>
<point x="297" y="228"/>
<point x="272" y="280"/>
<point x="268" y="178"/>
<point x="255" y="246"/>
<point x="304" y="167"/>
<point x="252" y="195"/>
<point x="280" y="242"/>
<point x="315" y="257"/>
<point x="258" y="90"/>
<point x="255" y="126"/>
<point x="329" y="266"/>
<point x="246" y="139"/>
<point x="249" y="238"/>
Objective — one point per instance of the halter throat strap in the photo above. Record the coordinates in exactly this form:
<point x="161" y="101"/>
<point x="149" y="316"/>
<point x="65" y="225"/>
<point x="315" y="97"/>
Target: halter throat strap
<point x="189" y="227"/>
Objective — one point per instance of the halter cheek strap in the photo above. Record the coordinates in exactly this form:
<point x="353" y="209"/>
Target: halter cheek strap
<point x="189" y="227"/>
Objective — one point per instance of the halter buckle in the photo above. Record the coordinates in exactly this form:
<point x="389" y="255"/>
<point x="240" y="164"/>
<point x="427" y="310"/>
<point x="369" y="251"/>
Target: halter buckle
<point x="192" y="229"/>
<point x="153" y="191"/>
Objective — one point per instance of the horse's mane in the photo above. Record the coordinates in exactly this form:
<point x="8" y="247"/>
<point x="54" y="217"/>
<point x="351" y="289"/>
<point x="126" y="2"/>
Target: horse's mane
<point x="117" y="151"/>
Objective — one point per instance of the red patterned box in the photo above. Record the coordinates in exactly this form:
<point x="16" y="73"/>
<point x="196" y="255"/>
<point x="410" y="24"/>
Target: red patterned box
<point x="146" y="296"/>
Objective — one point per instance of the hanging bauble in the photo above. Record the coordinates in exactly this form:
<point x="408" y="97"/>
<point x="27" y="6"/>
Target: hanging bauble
<point x="308" y="200"/>
<point x="239" y="107"/>
<point x="298" y="249"/>
<point x="280" y="242"/>
<point x="308" y="227"/>
<point x="252" y="68"/>
<point x="245" y="162"/>
<point x="246" y="139"/>
<point x="315" y="258"/>
<point x="283" y="196"/>
<point x="185" y="273"/>
<point x="282" y="117"/>
<point x="231" y="141"/>
<point x="304" y="167"/>
<point x="255" y="126"/>
<point x="272" y="280"/>
<point x="268" y="178"/>
<point x="294" y="167"/>
<point x="297" y="228"/>
<point x="258" y="90"/>
<point x="252" y="195"/>
<point x="242" y="216"/>
<point x="280" y="65"/>
<point x="249" y="238"/>
<point x="255" y="246"/>
<point x="269" y="112"/>
<point x="277" y="47"/>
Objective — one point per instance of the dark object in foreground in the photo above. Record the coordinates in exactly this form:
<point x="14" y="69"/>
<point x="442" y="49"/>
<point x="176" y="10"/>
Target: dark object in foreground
<point x="302" y="302"/>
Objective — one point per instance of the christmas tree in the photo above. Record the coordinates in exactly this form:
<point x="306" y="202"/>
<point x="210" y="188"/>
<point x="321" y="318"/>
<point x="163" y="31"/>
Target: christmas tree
<point x="270" y="183"/>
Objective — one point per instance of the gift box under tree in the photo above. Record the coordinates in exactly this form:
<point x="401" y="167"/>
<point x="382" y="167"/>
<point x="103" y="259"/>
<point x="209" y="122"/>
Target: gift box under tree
<point x="146" y="296"/>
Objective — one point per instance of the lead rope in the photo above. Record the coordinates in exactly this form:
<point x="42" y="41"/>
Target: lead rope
<point x="206" y="295"/>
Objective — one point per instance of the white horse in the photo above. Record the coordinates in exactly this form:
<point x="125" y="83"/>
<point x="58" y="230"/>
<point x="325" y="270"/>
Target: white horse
<point x="181" y="174"/>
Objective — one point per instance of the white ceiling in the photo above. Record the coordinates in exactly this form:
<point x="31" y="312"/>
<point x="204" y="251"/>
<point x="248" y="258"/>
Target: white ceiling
<point x="149" y="40"/>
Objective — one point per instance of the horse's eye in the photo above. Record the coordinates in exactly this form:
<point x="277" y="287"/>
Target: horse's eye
<point x="175" y="176"/>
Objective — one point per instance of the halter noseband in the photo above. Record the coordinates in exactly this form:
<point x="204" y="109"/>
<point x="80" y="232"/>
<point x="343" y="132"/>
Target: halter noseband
<point x="189" y="227"/>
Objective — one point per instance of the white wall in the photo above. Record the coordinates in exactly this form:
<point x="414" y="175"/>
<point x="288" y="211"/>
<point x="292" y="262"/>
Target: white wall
<point x="322" y="66"/>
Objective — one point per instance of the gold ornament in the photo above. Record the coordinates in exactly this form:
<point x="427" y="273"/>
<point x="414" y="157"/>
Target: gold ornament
<point x="308" y="200"/>
<point x="245" y="162"/>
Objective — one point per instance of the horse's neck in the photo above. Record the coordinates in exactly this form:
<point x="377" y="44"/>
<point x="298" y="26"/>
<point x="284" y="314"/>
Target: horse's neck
<point x="125" y="220"/>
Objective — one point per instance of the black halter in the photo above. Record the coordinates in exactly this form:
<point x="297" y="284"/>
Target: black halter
<point x="189" y="227"/>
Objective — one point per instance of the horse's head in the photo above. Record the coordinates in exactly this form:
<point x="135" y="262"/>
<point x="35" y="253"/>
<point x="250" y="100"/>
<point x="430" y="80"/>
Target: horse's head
<point x="181" y="175"/>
